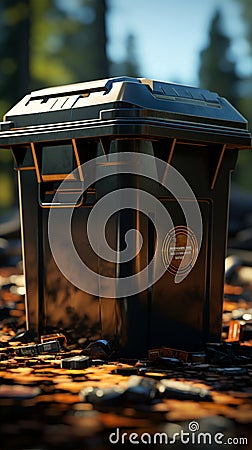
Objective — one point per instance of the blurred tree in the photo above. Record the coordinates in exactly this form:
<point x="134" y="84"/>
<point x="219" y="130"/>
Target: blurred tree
<point x="217" y="72"/>
<point x="48" y="43"/>
<point x="14" y="79"/>
<point x="84" y="50"/>
<point x="246" y="85"/>
<point x="14" y="50"/>
<point x="245" y="158"/>
<point x="69" y="44"/>
<point x="45" y="43"/>
<point x="46" y="68"/>
<point x="129" y="66"/>
<point x="247" y="16"/>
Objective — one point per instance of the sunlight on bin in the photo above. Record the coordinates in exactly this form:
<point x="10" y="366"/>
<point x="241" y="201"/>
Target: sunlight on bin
<point x="54" y="133"/>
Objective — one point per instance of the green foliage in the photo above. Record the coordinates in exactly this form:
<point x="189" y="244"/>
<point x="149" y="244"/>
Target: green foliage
<point x="42" y="44"/>
<point x="49" y="43"/>
<point x="46" y="68"/>
<point x="14" y="51"/>
<point x="68" y="42"/>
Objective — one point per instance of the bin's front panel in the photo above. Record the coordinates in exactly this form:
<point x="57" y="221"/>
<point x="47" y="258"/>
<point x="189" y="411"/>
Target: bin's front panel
<point x="65" y="306"/>
<point x="125" y="320"/>
<point x="179" y="310"/>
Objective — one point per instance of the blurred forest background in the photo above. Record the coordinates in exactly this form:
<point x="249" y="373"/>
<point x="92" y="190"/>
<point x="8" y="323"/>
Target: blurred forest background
<point x="43" y="43"/>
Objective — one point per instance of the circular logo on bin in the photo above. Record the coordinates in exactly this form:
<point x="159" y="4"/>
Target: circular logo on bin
<point x="180" y="250"/>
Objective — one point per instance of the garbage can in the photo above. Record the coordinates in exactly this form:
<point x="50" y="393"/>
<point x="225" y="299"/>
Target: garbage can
<point x="167" y="150"/>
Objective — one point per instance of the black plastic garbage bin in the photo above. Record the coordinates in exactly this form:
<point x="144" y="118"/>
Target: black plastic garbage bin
<point x="167" y="150"/>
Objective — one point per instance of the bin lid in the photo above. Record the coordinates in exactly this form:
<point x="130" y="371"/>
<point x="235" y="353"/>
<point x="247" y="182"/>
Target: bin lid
<point x="124" y="106"/>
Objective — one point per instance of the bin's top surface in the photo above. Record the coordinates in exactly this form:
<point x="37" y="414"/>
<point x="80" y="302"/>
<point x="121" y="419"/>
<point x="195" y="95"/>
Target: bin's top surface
<point x="123" y="104"/>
